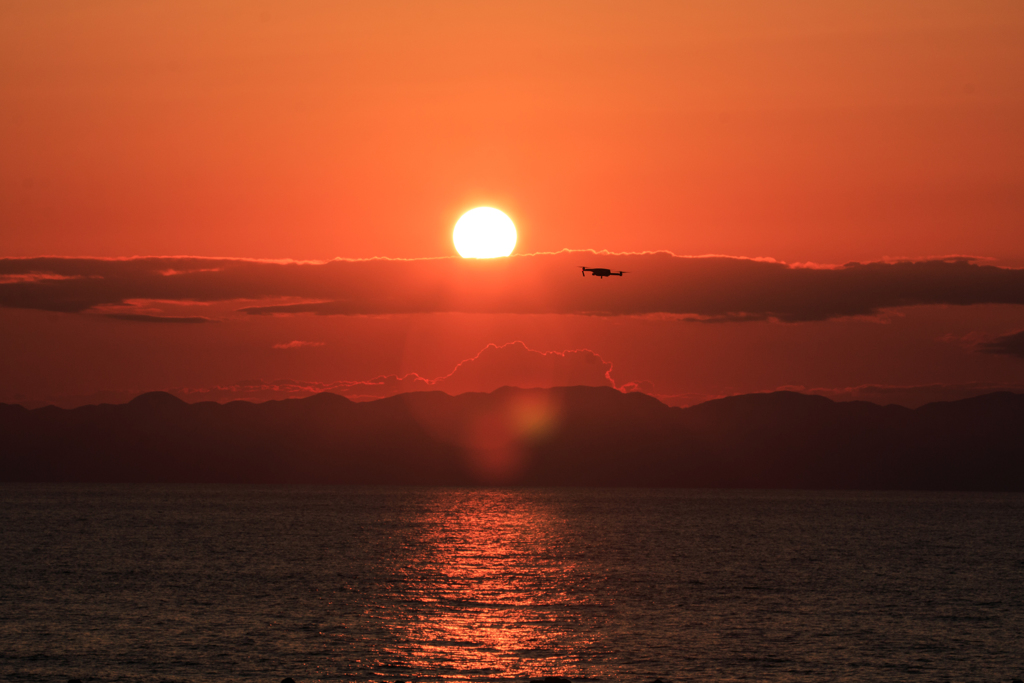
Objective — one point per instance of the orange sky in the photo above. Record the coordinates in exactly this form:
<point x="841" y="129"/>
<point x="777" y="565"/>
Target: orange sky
<point x="799" y="131"/>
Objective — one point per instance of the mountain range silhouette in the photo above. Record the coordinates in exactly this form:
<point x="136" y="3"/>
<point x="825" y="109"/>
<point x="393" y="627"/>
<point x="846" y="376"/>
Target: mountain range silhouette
<point x="567" y="436"/>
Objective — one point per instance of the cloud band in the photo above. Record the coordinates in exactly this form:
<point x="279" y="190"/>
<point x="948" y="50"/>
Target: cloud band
<point x="704" y="288"/>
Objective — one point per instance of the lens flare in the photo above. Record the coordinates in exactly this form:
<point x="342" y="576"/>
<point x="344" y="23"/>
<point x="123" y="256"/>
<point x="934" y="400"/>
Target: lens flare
<point x="484" y="232"/>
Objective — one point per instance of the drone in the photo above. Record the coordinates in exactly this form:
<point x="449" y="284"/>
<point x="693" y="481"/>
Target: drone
<point x="600" y="272"/>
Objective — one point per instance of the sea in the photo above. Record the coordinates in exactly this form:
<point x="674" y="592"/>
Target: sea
<point x="237" y="583"/>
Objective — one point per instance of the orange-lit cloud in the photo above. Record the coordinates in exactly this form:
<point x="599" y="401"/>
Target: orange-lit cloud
<point x="511" y="364"/>
<point x="717" y="288"/>
<point x="144" y="318"/>
<point x="296" y="344"/>
<point x="514" y="364"/>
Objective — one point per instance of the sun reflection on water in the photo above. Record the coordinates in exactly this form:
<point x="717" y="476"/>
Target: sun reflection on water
<point x="494" y="592"/>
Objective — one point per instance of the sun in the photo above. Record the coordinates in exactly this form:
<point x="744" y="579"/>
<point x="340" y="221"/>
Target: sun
<point x="484" y="232"/>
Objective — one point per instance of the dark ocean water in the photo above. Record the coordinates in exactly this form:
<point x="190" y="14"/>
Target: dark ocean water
<point x="115" y="583"/>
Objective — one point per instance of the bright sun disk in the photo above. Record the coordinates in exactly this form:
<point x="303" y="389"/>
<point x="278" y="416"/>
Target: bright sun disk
<point x="484" y="232"/>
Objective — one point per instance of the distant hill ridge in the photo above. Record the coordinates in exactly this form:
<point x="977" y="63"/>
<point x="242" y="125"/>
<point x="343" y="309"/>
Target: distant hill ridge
<point x="566" y="436"/>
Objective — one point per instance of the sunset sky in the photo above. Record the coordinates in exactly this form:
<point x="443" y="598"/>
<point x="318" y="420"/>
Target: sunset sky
<point x="256" y="199"/>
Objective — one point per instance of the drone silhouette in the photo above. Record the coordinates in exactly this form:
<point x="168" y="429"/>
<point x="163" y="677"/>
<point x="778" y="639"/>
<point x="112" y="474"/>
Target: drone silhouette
<point x="600" y="272"/>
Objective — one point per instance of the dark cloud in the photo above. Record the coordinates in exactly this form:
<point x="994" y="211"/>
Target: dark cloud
<point x="701" y="288"/>
<point x="1008" y="344"/>
<point x="910" y="396"/>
